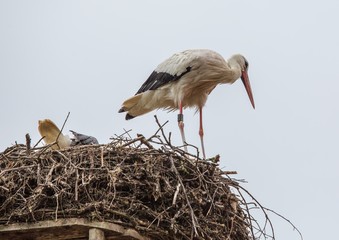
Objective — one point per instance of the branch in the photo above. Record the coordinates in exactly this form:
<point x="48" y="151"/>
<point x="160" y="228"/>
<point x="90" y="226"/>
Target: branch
<point x="281" y="216"/>
<point x="62" y="128"/>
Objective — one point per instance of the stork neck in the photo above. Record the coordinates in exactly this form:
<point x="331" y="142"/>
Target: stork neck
<point x="234" y="70"/>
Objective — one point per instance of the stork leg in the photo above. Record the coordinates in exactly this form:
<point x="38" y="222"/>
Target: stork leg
<point x="201" y="133"/>
<point x="181" y="126"/>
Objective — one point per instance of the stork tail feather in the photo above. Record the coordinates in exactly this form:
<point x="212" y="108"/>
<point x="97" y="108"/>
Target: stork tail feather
<point x="128" y="106"/>
<point x="129" y="116"/>
<point x="131" y="102"/>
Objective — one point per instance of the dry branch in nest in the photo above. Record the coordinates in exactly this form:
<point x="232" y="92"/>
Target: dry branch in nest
<point x="162" y="193"/>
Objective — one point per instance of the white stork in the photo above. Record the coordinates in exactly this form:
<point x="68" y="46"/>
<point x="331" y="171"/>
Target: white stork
<point x="51" y="133"/>
<point x="185" y="80"/>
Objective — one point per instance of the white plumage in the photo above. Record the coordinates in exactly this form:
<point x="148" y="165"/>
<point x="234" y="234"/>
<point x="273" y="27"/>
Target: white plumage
<point x="185" y="80"/>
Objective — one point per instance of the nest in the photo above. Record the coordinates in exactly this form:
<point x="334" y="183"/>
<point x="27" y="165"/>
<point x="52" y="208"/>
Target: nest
<point x="162" y="193"/>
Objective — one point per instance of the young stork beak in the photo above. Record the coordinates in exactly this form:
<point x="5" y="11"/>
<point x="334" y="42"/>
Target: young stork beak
<point x="246" y="82"/>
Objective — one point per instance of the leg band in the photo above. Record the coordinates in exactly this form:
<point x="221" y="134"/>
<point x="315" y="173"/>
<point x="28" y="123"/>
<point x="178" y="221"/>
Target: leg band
<point x="180" y="117"/>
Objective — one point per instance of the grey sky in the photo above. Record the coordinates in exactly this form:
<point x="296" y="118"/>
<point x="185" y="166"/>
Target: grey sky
<point x="86" y="57"/>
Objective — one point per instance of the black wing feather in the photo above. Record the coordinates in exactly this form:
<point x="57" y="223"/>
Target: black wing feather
<point x="159" y="79"/>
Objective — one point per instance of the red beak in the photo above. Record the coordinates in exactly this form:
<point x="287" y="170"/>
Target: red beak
<point x="246" y="82"/>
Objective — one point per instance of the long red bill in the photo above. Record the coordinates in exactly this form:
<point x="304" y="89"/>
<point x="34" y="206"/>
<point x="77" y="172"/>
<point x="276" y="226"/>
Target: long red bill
<point x="246" y="82"/>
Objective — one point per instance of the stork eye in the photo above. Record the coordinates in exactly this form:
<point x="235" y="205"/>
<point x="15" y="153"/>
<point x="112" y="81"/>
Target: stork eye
<point x="246" y="64"/>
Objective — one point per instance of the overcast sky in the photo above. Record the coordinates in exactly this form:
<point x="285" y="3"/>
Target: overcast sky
<point x="86" y="57"/>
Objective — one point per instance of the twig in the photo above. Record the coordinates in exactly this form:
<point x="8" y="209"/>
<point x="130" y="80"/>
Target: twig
<point x="57" y="206"/>
<point x="176" y="194"/>
<point x="16" y="169"/>
<point x="28" y="143"/>
<point x="102" y="156"/>
<point x="39" y="174"/>
<point x="132" y="141"/>
<point x="62" y="128"/>
<point x="34" y="147"/>
<point x="144" y="141"/>
<point x="229" y="172"/>
<point x="161" y="128"/>
<point x="281" y="216"/>
<point x="121" y="135"/>
<point x="76" y="191"/>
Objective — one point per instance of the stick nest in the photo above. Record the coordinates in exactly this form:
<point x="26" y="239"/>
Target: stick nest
<point x="162" y="193"/>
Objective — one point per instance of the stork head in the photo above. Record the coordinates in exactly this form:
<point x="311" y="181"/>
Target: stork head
<point x="241" y="60"/>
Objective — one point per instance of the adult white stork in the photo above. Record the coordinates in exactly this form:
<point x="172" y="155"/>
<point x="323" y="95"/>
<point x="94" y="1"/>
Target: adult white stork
<point x="185" y="80"/>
